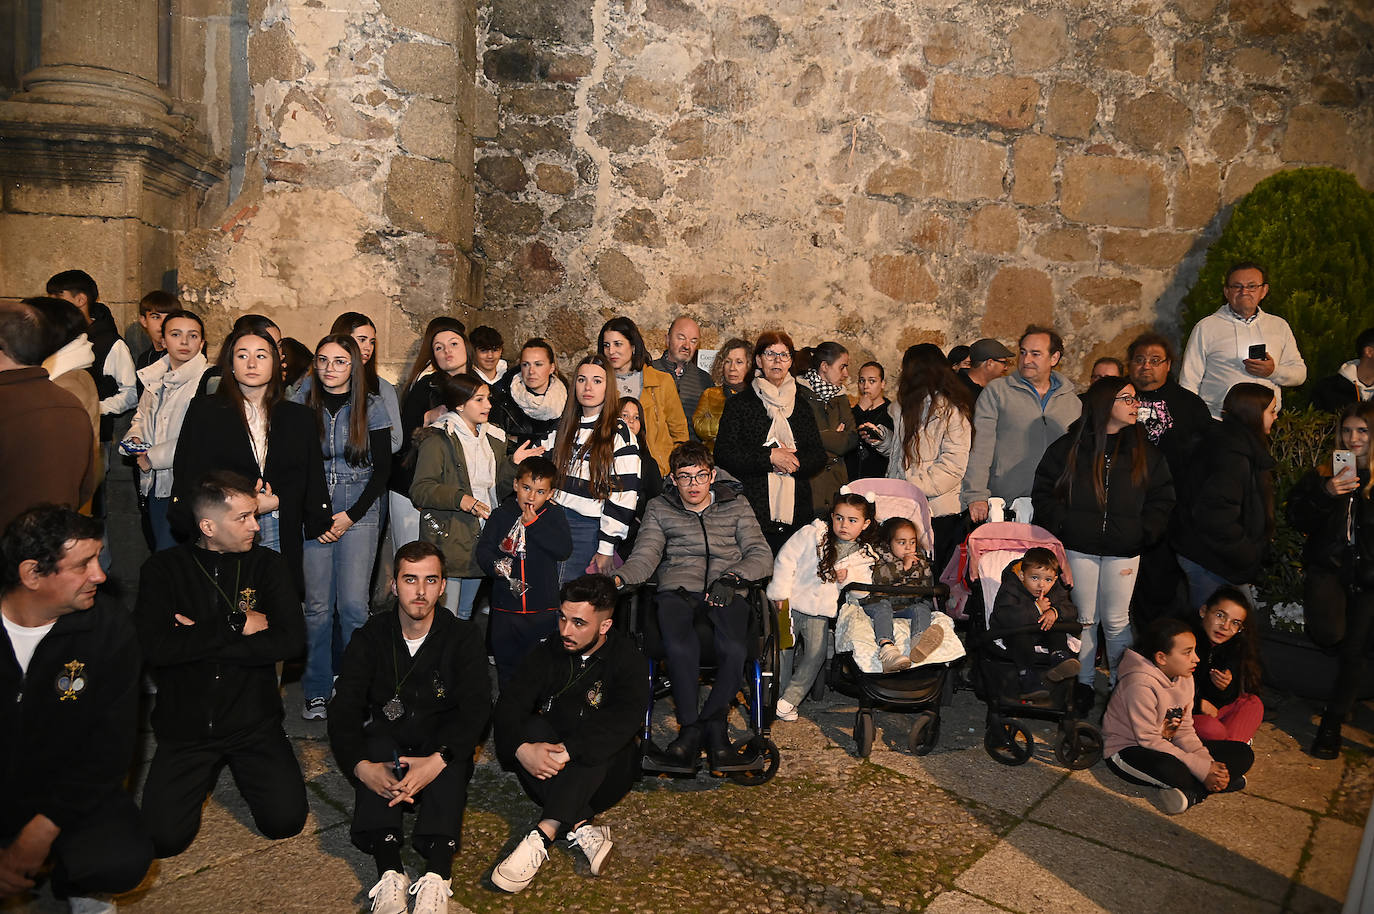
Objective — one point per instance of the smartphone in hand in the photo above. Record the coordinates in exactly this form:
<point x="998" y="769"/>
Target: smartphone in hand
<point x="1340" y="460"/>
<point x="1258" y="351"/>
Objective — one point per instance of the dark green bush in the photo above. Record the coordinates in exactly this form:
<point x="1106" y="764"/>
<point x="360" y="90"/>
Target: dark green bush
<point x="1301" y="439"/>
<point x="1313" y="231"/>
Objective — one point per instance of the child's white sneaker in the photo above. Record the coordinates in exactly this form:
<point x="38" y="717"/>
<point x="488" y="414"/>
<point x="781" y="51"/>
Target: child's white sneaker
<point x="892" y="659"/>
<point x="1171" y="801"/>
<point x="925" y="645"/>
<point x="786" y="710"/>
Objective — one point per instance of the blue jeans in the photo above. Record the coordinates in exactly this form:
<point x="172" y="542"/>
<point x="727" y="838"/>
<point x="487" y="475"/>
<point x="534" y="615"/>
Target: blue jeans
<point x="586" y="532"/>
<point x="1202" y="583"/>
<point x="811" y="633"/>
<point x="459" y="594"/>
<point x="881" y="613"/>
<point x="338" y="578"/>
<point x="157" y="519"/>
<point x="1102" y="588"/>
<point x="269" y="530"/>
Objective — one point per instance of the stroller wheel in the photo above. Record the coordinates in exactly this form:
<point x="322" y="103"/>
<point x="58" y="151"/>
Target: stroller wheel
<point x="1009" y="743"/>
<point x="1079" y="746"/>
<point x="771" y="758"/>
<point x="864" y="731"/>
<point x="925" y="733"/>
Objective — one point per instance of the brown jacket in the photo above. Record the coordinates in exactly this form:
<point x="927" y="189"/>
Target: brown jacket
<point x="46" y="445"/>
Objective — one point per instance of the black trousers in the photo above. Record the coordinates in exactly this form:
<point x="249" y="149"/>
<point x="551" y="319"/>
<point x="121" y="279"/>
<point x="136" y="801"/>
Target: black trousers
<point x="514" y="634"/>
<point x="1152" y="768"/>
<point x="107" y="852"/>
<point x="438" y="808"/>
<point x="730" y="624"/>
<point x="579" y="791"/>
<point x="1022" y="646"/>
<point x="183" y="774"/>
<point x="1341" y="618"/>
<point x="1157" y="587"/>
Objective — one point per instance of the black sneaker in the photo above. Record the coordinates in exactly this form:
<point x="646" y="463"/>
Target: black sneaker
<point x="1327" y="743"/>
<point x="1084" y="698"/>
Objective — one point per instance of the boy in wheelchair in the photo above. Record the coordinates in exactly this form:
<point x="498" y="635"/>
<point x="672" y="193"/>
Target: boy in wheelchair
<point x="704" y="540"/>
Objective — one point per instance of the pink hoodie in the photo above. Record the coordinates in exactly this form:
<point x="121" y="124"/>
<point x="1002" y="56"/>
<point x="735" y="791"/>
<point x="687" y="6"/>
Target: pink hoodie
<point x="1151" y="710"/>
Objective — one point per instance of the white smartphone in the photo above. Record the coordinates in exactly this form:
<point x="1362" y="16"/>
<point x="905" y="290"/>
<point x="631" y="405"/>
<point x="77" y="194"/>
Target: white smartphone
<point x="1340" y="460"/>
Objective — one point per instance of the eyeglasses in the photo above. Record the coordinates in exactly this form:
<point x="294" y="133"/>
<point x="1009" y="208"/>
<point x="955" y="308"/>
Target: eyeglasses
<point x="772" y="356"/>
<point x="1152" y="362"/>
<point x="693" y="479"/>
<point x="324" y="361"/>
<point x="1226" y="622"/>
<point x="1245" y="287"/>
<point x="1129" y="400"/>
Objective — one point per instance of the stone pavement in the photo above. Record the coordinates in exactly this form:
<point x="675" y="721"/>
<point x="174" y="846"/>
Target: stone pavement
<point x="950" y="832"/>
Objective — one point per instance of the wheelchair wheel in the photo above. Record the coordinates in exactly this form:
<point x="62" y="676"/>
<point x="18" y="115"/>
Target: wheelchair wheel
<point x="925" y="733"/>
<point x="1079" y="746"/>
<point x="1009" y="743"/>
<point x="864" y="731"/>
<point x="772" y="758"/>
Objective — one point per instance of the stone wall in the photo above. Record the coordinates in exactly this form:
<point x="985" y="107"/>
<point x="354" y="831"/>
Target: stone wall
<point x="356" y="189"/>
<point x="891" y="171"/>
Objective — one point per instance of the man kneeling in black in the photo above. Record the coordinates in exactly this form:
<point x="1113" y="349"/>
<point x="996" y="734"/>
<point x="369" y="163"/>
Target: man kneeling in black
<point x="566" y="725"/>
<point x="68" y="709"/>
<point x="410" y="704"/>
<point x="214" y="617"/>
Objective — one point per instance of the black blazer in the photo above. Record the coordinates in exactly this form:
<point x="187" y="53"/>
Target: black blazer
<point x="213" y="437"/>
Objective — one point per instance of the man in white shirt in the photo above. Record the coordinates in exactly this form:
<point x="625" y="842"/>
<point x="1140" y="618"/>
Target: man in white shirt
<point x="1241" y="343"/>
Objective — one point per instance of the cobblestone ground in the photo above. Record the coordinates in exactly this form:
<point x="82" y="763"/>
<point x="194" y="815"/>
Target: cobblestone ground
<point x="950" y="832"/>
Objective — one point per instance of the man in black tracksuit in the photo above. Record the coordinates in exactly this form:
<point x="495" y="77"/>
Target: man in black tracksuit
<point x="566" y="725"/>
<point x="68" y="709"/>
<point x="214" y="617"/>
<point x="410" y="705"/>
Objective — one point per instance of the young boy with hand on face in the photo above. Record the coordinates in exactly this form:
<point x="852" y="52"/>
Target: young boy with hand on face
<point x="1032" y="594"/>
<point x="523" y="542"/>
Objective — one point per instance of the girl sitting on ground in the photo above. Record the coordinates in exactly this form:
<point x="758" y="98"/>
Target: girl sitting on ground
<point x="811" y="567"/>
<point x="1225" y="705"/>
<point x="903" y="564"/>
<point x="1148" y="728"/>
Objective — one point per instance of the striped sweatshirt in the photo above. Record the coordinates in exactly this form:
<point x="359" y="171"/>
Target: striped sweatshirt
<point x="617" y="513"/>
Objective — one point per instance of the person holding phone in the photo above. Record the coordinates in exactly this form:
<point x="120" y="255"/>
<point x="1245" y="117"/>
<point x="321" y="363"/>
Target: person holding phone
<point x="1240" y="342"/>
<point x="1331" y="504"/>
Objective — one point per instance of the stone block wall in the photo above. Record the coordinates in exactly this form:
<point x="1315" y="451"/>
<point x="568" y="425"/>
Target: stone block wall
<point x="357" y="187"/>
<point x="891" y="171"/>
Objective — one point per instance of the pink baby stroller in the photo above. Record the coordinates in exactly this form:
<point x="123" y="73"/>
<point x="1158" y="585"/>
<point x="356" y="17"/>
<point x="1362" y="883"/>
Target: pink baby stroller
<point x="986" y="553"/>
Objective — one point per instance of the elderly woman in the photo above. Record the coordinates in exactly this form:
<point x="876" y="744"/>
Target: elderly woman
<point x="769" y="441"/>
<point x="730" y="372"/>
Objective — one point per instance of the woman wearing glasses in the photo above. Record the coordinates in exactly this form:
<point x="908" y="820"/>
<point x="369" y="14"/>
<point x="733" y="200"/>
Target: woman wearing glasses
<point x="1106" y="493"/>
<point x="1227" y="678"/>
<point x="354" y="429"/>
<point x="769" y="445"/>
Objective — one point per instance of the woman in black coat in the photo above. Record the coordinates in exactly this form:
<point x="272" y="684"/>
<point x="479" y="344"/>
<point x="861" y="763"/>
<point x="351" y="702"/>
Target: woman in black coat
<point x="769" y="441"/>
<point x="247" y="427"/>
<point x="528" y="402"/>
<point x="1226" y="517"/>
<point x="1336" y="513"/>
<point x="1107" y="494"/>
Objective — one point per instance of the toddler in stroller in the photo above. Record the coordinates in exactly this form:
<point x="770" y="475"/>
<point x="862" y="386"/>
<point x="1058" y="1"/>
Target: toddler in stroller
<point x="1031" y="597"/>
<point x="903" y="564"/>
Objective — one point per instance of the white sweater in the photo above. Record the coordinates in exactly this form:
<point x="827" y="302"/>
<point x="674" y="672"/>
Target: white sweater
<point x="796" y="573"/>
<point x="1220" y="343"/>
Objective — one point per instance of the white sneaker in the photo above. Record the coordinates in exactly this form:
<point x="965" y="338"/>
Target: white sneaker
<point x="595" y="841"/>
<point x="892" y="659"/>
<point x="315" y="709"/>
<point x="786" y="710"/>
<point x="84" y="905"/>
<point x="518" y="870"/>
<point x="431" y="894"/>
<point x="389" y="894"/>
<point x="1171" y="801"/>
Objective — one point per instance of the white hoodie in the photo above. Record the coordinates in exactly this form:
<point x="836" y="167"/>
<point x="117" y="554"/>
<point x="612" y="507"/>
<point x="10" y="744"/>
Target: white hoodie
<point x="162" y="409"/>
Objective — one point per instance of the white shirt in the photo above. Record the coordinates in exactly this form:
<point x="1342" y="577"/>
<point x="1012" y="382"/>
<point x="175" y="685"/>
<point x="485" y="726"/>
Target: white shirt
<point x="413" y="644"/>
<point x="25" y="640"/>
<point x="1213" y="360"/>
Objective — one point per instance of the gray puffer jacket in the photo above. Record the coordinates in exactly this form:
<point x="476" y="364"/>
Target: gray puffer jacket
<point x="696" y="549"/>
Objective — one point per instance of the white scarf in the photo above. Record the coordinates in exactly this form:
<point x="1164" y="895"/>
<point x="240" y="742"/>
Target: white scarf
<point x="779" y="402"/>
<point x="478" y="457"/>
<point x="539" y="407"/>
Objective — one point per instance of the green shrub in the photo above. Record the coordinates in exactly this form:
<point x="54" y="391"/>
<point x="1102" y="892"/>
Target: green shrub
<point x="1313" y="231"/>
<point x="1301" y="439"/>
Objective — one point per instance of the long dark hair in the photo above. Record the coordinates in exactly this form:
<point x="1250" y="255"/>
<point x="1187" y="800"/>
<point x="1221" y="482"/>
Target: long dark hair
<point x="869" y="539"/>
<point x="1246" y="640"/>
<point x="347" y="323"/>
<point x="357" y="452"/>
<point x="229" y="388"/>
<point x="1090" y="440"/>
<point x="1245" y="404"/>
<point x="425" y="357"/>
<point x="626" y="328"/>
<point x="826" y="353"/>
<point x="927" y="378"/>
<point x="639" y="407"/>
<point x="455" y="390"/>
<point x="599" y="448"/>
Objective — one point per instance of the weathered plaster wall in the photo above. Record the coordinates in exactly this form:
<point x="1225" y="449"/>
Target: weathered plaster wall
<point x="891" y="171"/>
<point x="357" y="167"/>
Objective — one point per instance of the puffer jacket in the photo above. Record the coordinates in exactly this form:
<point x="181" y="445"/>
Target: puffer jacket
<point x="943" y="444"/>
<point x="796" y="573"/>
<point x="167" y="392"/>
<point x="692" y="550"/>
<point x="1135" y="517"/>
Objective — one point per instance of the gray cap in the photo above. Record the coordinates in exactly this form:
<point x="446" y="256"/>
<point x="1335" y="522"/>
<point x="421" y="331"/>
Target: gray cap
<point x="985" y="349"/>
